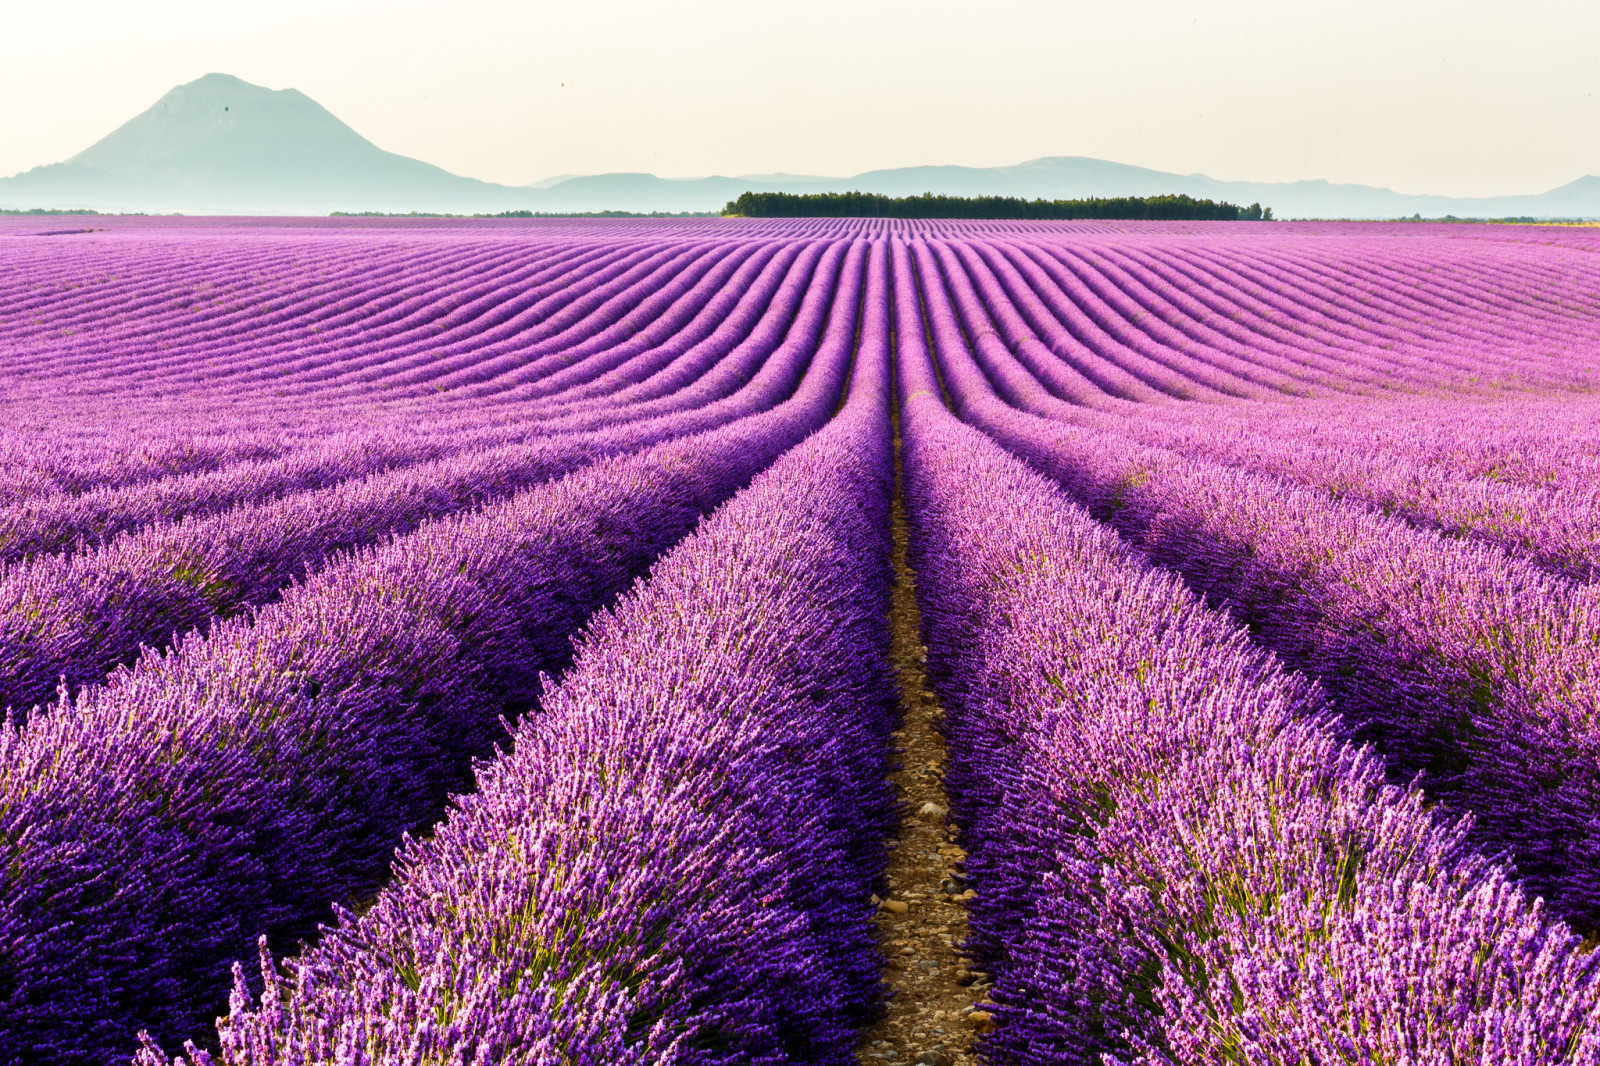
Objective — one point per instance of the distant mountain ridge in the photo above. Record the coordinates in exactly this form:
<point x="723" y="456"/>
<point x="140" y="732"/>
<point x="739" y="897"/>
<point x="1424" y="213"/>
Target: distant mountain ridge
<point x="219" y="145"/>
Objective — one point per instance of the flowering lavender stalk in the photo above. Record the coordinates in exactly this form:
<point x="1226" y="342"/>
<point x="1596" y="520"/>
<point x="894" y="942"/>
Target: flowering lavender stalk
<point x="1176" y="859"/>
<point x="673" y="862"/>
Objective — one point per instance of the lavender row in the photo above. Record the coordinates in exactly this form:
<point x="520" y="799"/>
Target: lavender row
<point x="673" y="862"/>
<point x="249" y="779"/>
<point x="1150" y="308"/>
<point x="1559" y="530"/>
<point x="575" y="312"/>
<point x="409" y="299"/>
<point x="1284" y="271"/>
<point x="1547" y="442"/>
<point x="751" y="306"/>
<point x="1457" y="659"/>
<point x="56" y="523"/>
<point x="707" y="294"/>
<point x="59" y="522"/>
<point x="1176" y="860"/>
<point x="61" y="447"/>
<point x="658" y="357"/>
<point x="73" y="619"/>
<point x="761" y="290"/>
<point x="657" y="306"/>
<point x="566" y="306"/>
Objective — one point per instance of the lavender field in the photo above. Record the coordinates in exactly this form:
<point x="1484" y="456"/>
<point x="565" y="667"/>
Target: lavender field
<point x="452" y="643"/>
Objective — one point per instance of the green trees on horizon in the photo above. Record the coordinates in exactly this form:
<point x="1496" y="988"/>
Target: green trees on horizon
<point x="930" y="205"/>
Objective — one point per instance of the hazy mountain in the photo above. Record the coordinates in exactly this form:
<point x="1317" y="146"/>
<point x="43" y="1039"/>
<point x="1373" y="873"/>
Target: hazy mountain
<point x="221" y="145"/>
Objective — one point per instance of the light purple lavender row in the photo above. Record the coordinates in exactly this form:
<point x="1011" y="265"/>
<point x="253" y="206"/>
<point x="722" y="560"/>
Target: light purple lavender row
<point x="70" y="444"/>
<point x="1559" y="530"/>
<point x="280" y="339"/>
<point x="750" y="302"/>
<point x="1133" y="304"/>
<point x="614" y="357"/>
<point x="1236" y="250"/>
<point x="56" y="523"/>
<point x="436" y="325"/>
<point x="73" y="619"/>
<point x="1157" y="285"/>
<point x="631" y="374"/>
<point x="1176" y="860"/>
<point x="668" y="306"/>
<point x="1457" y="659"/>
<point x="677" y="313"/>
<point x="1313" y="358"/>
<point x="572" y="310"/>
<point x="673" y="863"/>
<point x="263" y="288"/>
<point x="1538" y="441"/>
<point x="249" y="780"/>
<point x="61" y="522"/>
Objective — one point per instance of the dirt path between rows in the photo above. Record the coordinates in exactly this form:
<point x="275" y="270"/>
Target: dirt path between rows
<point x="931" y="1017"/>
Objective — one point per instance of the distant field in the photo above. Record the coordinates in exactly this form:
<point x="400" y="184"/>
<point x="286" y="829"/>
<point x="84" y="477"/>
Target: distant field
<point x="1254" y="571"/>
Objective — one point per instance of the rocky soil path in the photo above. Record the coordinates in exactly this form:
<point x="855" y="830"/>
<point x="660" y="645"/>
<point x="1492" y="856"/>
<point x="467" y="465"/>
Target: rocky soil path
<point x="937" y="1005"/>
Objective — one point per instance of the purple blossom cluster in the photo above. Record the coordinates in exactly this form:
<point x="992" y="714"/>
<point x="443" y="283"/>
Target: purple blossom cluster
<point x="1176" y="858"/>
<point x="673" y="862"/>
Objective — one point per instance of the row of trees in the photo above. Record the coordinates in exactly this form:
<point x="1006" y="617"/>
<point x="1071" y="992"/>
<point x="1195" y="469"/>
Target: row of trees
<point x="929" y="205"/>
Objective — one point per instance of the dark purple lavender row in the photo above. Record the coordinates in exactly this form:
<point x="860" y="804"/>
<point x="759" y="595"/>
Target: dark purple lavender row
<point x="1458" y="660"/>
<point x="75" y="618"/>
<point x="673" y="863"/>
<point x="1176" y="860"/>
<point x="248" y="780"/>
<point x="58" y="522"/>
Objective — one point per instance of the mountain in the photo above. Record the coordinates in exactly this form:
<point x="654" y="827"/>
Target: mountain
<point x="220" y="145"/>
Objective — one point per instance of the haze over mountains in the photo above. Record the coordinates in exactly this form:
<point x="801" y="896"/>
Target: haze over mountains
<point x="219" y="145"/>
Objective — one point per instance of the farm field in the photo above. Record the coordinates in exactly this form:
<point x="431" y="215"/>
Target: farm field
<point x="798" y="641"/>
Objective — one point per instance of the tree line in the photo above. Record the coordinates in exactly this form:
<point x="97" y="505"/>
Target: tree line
<point x="930" y="205"/>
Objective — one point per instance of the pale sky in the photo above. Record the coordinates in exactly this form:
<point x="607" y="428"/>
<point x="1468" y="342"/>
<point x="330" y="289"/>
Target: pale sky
<point x="1465" y="98"/>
